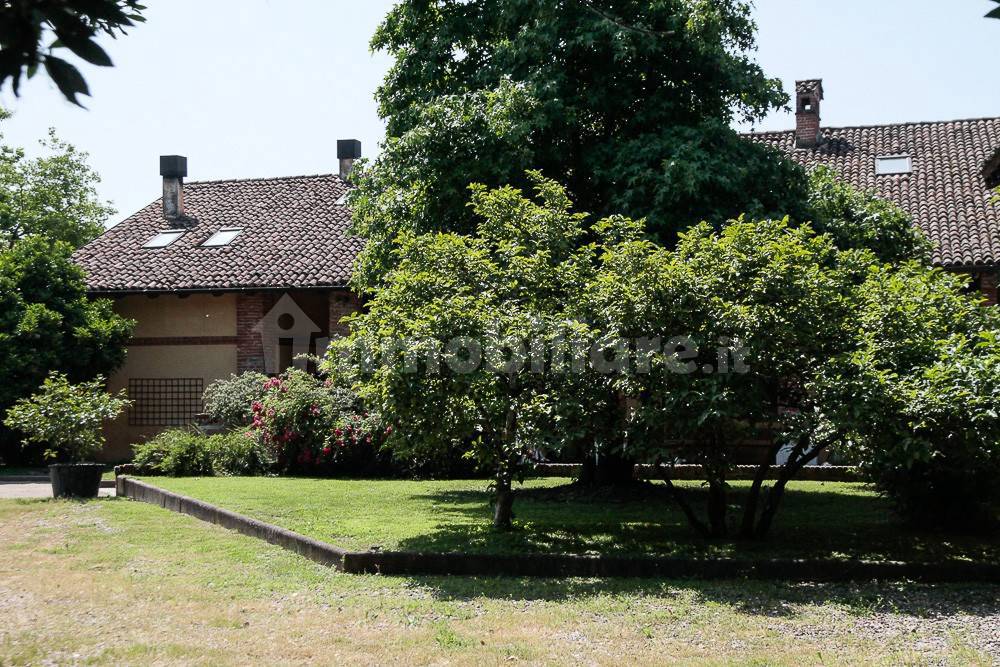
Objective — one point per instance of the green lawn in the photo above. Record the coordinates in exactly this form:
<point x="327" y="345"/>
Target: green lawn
<point x="826" y="520"/>
<point x="119" y="582"/>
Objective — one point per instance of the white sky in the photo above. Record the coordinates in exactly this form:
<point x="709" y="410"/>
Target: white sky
<point x="249" y="88"/>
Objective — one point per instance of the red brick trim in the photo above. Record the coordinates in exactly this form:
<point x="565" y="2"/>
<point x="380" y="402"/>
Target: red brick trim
<point x="988" y="283"/>
<point x="184" y="340"/>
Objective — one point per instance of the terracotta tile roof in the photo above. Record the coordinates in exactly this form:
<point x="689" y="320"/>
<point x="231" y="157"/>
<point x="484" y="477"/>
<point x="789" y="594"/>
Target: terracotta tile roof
<point x="946" y="193"/>
<point x="294" y="235"/>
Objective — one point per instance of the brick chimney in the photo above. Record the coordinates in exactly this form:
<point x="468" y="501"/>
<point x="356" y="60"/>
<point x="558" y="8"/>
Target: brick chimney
<point x="807" y="98"/>
<point x="348" y="150"/>
<point x="173" y="169"/>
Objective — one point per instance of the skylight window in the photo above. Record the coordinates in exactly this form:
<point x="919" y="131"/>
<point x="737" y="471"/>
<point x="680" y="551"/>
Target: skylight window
<point x="222" y="237"/>
<point x="163" y="239"/>
<point x="893" y="164"/>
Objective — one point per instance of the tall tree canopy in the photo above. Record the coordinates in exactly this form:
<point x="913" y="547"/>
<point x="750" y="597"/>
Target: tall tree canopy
<point x="49" y="207"/>
<point x="629" y="101"/>
<point x="53" y="195"/>
<point x="26" y="25"/>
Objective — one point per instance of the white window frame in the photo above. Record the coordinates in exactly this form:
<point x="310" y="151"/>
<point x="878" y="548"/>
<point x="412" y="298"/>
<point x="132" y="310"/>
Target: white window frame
<point x="213" y="242"/>
<point x="164" y="238"/>
<point x="893" y="160"/>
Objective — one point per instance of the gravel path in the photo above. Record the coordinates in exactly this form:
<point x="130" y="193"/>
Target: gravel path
<point x="9" y="490"/>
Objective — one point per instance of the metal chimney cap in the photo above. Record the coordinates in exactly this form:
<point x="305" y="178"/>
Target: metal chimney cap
<point x="173" y="166"/>
<point x="348" y="149"/>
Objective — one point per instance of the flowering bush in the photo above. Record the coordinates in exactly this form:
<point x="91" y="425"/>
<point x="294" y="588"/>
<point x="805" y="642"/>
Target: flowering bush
<point x="311" y="426"/>
<point x="228" y="400"/>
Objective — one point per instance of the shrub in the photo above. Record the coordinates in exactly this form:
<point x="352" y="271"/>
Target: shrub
<point x="177" y="452"/>
<point x="239" y="453"/>
<point x="228" y="401"/>
<point x="187" y="453"/>
<point x="66" y="418"/>
<point x="919" y="399"/>
<point x="311" y="426"/>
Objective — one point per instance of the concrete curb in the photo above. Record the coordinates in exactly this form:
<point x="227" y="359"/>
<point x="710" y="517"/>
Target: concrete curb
<point x="320" y="552"/>
<point x="557" y="565"/>
<point x="694" y="472"/>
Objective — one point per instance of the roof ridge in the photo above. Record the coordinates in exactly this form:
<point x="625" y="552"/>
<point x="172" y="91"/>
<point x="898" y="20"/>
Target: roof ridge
<point x="259" y="179"/>
<point x="874" y="125"/>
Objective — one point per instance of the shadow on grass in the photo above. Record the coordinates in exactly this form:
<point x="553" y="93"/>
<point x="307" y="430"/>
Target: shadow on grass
<point x="774" y="599"/>
<point x="821" y="522"/>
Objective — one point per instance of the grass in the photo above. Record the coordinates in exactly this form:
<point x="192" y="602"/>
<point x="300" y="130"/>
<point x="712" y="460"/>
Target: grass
<point x="826" y="520"/>
<point x="119" y="582"/>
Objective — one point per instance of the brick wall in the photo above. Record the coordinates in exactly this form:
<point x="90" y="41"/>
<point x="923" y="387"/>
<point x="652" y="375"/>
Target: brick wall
<point x="988" y="283"/>
<point x="806" y="130"/>
<point x="250" y="309"/>
<point x="341" y="304"/>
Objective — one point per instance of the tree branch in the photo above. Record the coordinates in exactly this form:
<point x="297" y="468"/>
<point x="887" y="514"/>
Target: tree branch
<point x="589" y="4"/>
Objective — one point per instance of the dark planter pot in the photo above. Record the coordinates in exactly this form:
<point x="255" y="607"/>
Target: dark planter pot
<point x="75" y="480"/>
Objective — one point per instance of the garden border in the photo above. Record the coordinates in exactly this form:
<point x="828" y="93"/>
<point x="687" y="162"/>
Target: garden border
<point x="556" y="565"/>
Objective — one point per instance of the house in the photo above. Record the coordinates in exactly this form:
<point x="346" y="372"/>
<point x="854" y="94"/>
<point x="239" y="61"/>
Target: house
<point x="228" y="276"/>
<point x="941" y="173"/>
<point x="221" y="277"/>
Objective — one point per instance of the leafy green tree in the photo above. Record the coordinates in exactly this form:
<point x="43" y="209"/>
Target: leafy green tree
<point x="741" y="320"/>
<point x="47" y="324"/>
<point x="919" y="399"/>
<point x="25" y="26"/>
<point x="630" y="101"/>
<point x="462" y="346"/>
<point x="52" y="195"/>
<point x="860" y="219"/>
<point x="66" y="418"/>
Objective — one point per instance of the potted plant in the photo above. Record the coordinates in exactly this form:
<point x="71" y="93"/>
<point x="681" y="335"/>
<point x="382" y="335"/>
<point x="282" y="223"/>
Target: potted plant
<point x="67" y="419"/>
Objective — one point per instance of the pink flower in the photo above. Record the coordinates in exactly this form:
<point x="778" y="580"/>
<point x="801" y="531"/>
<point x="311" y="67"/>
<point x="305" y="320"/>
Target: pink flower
<point x="388" y="429"/>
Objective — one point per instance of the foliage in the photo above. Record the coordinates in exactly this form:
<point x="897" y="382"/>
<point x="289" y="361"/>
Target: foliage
<point x="310" y="426"/>
<point x="634" y="114"/>
<point x="51" y="196"/>
<point x="47" y="323"/>
<point x="739" y="320"/>
<point x="188" y="453"/>
<point x="928" y="365"/>
<point x="859" y="219"/>
<point x="74" y="24"/>
<point x="458" y="314"/>
<point x="228" y="401"/>
<point x="66" y="418"/>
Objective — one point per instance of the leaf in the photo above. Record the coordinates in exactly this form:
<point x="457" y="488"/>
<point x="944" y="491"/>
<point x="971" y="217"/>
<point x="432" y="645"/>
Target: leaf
<point x="84" y="47"/>
<point x="67" y="78"/>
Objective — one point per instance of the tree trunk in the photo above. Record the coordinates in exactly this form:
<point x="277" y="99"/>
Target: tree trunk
<point x="503" y="511"/>
<point x="747" y="528"/>
<point x="717" y="507"/>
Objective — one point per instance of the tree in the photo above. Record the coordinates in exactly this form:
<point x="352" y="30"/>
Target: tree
<point x="738" y="323"/>
<point x="860" y="219"/>
<point x="468" y="344"/>
<point x="928" y="365"/>
<point x="994" y="13"/>
<point x="629" y="101"/>
<point x="74" y="24"/>
<point x="47" y="323"/>
<point x="52" y="196"/>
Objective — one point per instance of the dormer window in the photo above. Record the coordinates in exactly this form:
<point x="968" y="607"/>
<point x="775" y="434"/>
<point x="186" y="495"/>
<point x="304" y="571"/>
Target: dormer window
<point x="164" y="238"/>
<point x="893" y="164"/>
<point x="222" y="237"/>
